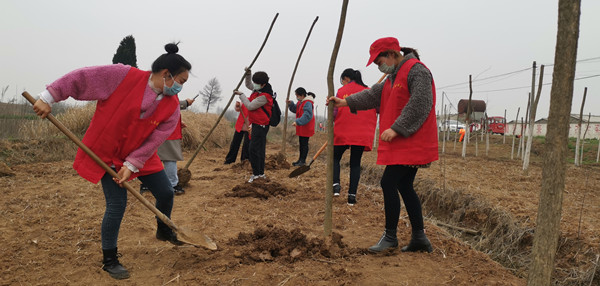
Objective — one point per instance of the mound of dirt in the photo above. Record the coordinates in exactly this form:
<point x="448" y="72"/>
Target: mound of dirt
<point x="276" y="162"/>
<point x="276" y="244"/>
<point x="243" y="165"/>
<point x="260" y="188"/>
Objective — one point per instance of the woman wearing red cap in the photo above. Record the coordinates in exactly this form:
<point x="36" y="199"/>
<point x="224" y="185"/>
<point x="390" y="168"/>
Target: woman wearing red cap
<point x="408" y="134"/>
<point x="348" y="136"/>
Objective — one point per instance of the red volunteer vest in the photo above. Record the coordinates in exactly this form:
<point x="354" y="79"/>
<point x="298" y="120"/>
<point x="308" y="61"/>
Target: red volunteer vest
<point x="354" y="129"/>
<point x="240" y="120"/>
<point x="308" y="129"/>
<point x="117" y="129"/>
<point x="419" y="148"/>
<point x="259" y="116"/>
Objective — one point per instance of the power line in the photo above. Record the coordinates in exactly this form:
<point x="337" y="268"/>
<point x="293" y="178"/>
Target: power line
<point x="521" y="87"/>
<point x="510" y="73"/>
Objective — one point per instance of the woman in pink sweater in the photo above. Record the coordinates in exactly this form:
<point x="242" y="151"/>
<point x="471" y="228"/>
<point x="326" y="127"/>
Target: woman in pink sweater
<point x="136" y="112"/>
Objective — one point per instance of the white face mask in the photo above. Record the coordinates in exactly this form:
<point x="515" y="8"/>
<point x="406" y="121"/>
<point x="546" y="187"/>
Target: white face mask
<point x="386" y="69"/>
<point x="257" y="86"/>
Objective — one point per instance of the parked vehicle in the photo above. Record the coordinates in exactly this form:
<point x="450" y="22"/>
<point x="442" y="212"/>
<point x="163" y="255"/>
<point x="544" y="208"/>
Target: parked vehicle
<point x="496" y="124"/>
<point x="451" y="125"/>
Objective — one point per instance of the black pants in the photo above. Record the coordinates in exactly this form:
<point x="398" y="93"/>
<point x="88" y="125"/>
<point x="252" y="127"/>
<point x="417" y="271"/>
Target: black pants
<point x="355" y="158"/>
<point x="257" y="148"/>
<point x="235" y="147"/>
<point x="399" y="178"/>
<point x="303" y="143"/>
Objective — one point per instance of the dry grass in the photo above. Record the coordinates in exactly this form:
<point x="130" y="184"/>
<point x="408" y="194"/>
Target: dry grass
<point x="198" y="126"/>
<point x="76" y="119"/>
<point x="43" y="142"/>
<point x="504" y="238"/>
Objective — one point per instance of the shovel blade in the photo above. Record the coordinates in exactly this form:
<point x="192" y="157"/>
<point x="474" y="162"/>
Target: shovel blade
<point x="195" y="239"/>
<point x="299" y="171"/>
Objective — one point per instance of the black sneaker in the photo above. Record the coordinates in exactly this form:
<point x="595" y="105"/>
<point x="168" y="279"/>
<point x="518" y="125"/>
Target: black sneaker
<point x="351" y="199"/>
<point x="143" y="189"/>
<point x="336" y="189"/>
<point x="178" y="190"/>
<point x="168" y="235"/>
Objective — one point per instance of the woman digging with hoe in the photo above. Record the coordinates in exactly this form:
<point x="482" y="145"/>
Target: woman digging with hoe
<point x="136" y="112"/>
<point x="408" y="134"/>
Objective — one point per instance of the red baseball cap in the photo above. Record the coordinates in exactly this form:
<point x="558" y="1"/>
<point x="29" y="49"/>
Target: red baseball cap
<point x="382" y="45"/>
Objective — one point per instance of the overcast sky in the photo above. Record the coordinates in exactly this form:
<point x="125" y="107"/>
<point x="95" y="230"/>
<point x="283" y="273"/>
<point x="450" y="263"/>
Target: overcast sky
<point x="42" y="40"/>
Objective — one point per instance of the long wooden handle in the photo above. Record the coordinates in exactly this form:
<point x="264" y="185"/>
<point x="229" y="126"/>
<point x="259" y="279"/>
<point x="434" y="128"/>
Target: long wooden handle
<point x="319" y="152"/>
<point x="285" y="118"/>
<point x="104" y="166"/>
<point x="187" y="165"/>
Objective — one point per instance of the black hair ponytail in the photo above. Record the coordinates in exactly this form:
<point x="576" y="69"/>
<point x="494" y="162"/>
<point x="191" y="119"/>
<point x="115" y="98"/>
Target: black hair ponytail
<point x="171" y="61"/>
<point x="405" y="51"/>
<point x="353" y="75"/>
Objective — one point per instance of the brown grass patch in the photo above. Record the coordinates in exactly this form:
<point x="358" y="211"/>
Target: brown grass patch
<point x="43" y="142"/>
<point x="503" y="238"/>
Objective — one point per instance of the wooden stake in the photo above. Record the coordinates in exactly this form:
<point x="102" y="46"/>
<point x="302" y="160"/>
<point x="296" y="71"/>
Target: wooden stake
<point x="283" y="142"/>
<point x="579" y="128"/>
<point x="232" y="96"/>
<point x="532" y="121"/>
<point x="512" y="151"/>
<point x="327" y="225"/>
<point x="505" y="128"/>
<point x="467" y="133"/>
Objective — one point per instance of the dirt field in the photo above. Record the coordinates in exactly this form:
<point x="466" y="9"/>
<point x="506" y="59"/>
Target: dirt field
<point x="273" y="234"/>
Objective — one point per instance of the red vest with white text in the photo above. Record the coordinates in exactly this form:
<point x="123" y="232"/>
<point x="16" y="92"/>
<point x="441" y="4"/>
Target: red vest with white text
<point x="419" y="148"/>
<point x="354" y="128"/>
<point x="117" y="129"/>
<point x="308" y="129"/>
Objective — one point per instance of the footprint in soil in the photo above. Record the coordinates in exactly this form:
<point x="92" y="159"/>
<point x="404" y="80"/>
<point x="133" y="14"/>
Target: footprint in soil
<point x="260" y="188"/>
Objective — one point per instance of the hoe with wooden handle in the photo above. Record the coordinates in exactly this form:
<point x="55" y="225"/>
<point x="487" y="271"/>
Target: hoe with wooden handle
<point x="185" y="236"/>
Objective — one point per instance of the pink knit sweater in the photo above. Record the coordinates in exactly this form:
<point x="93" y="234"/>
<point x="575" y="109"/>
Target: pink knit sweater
<point x="98" y="83"/>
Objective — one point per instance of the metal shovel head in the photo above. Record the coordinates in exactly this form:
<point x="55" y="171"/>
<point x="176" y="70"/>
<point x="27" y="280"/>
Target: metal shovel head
<point x="299" y="171"/>
<point x="198" y="240"/>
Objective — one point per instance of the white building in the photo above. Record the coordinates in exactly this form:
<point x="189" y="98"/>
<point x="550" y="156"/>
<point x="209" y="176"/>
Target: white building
<point x="540" y="127"/>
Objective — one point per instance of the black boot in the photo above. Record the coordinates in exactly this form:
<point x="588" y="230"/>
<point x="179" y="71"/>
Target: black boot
<point x="112" y="264"/>
<point x="418" y="242"/>
<point x="387" y="241"/>
<point x="164" y="233"/>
